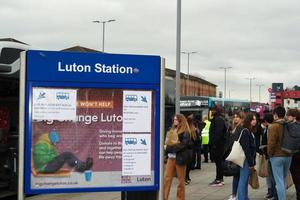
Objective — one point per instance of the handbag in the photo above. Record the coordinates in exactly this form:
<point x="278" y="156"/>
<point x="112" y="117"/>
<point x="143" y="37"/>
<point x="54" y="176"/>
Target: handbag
<point x="263" y="166"/>
<point x="171" y="138"/>
<point x="253" y="179"/>
<point x="230" y="168"/>
<point x="237" y="154"/>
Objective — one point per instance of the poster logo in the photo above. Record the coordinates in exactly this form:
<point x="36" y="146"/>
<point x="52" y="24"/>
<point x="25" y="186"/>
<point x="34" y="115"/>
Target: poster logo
<point x="129" y="141"/>
<point x="144" y="99"/>
<point x="143" y="141"/>
<point x="133" y="98"/>
<point x="62" y="96"/>
<point x="42" y="95"/>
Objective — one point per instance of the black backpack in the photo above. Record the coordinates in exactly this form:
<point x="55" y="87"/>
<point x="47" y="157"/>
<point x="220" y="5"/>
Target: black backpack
<point x="291" y="138"/>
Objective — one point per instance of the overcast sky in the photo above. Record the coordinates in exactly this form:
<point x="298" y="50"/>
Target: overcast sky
<point x="257" y="38"/>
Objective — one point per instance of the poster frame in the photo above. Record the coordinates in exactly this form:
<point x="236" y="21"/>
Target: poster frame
<point x="25" y="143"/>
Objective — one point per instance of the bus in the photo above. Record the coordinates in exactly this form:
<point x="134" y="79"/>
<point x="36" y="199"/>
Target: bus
<point x="201" y="105"/>
<point x="230" y="105"/>
<point x="9" y="115"/>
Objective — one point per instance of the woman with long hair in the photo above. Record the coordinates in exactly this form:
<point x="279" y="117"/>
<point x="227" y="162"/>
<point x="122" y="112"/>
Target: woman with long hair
<point x="232" y="135"/>
<point x="194" y="132"/>
<point x="247" y="142"/>
<point x="178" y="155"/>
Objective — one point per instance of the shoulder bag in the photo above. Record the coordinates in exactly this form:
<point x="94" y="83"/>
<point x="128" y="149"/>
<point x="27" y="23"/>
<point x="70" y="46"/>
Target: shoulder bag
<point x="237" y="154"/>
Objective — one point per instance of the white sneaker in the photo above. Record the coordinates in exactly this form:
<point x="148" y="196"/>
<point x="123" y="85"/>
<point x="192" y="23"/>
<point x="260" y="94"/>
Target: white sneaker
<point x="232" y="198"/>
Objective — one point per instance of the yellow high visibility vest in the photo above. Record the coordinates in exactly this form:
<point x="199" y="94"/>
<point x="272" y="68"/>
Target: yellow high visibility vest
<point x="205" y="132"/>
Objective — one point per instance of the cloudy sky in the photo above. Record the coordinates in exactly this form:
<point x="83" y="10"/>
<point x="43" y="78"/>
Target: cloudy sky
<point x="257" y="38"/>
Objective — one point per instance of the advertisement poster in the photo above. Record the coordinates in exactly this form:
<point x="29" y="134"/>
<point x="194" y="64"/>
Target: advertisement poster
<point x="91" y="137"/>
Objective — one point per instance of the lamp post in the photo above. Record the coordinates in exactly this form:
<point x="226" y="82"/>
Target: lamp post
<point x="188" y="67"/>
<point x="103" y="29"/>
<point x="225" y="70"/>
<point x="178" y="47"/>
<point x="250" y="82"/>
<point x="259" y="87"/>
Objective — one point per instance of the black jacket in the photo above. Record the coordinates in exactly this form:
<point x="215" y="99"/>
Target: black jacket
<point x="217" y="131"/>
<point x="247" y="142"/>
<point x="217" y="137"/>
<point x="230" y="138"/>
<point x="183" y="149"/>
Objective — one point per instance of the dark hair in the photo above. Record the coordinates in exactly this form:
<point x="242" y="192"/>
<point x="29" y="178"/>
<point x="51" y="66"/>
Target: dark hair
<point x="247" y="122"/>
<point x="269" y="118"/>
<point x="292" y="112"/>
<point x="279" y="111"/>
<point x="218" y="110"/>
<point x="298" y="116"/>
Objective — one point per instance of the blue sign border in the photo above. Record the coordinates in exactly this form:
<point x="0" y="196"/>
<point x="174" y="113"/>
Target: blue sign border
<point x="40" y="72"/>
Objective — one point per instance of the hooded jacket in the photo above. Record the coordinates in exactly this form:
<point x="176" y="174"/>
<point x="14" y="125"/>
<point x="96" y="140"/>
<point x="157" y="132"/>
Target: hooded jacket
<point x="44" y="152"/>
<point x="275" y="138"/>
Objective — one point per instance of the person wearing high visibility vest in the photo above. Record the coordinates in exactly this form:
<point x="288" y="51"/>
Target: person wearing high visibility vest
<point x="205" y="138"/>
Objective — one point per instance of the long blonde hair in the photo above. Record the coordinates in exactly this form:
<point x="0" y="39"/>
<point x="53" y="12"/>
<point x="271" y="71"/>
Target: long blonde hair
<point x="182" y="124"/>
<point x="240" y="115"/>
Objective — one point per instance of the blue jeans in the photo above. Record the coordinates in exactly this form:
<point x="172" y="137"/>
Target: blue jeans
<point x="271" y="177"/>
<point x="280" y="168"/>
<point x="242" y="193"/>
<point x="235" y="184"/>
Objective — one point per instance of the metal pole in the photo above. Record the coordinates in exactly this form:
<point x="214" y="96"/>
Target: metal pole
<point x="188" y="75"/>
<point x="178" y="45"/>
<point x="259" y="93"/>
<point x="259" y="87"/>
<point x="162" y="131"/>
<point x="250" y="90"/>
<point x="21" y="195"/>
<point x="250" y="82"/>
<point x="225" y="82"/>
<point x="103" y="30"/>
<point x="188" y="69"/>
<point x="103" y="33"/>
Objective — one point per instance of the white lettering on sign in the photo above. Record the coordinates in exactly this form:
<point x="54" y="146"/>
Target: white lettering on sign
<point x="114" y="69"/>
<point x="98" y="68"/>
<point x="73" y="67"/>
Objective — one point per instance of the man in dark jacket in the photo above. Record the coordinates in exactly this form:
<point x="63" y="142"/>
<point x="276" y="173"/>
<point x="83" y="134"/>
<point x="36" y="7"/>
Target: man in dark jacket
<point x="295" y="169"/>
<point x="217" y="136"/>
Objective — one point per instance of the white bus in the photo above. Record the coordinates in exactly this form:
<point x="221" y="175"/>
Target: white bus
<point x="9" y="115"/>
<point x="9" y="57"/>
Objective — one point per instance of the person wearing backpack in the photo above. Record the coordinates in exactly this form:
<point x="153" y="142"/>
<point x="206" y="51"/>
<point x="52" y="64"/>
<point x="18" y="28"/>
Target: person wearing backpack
<point x="294" y="115"/>
<point x="280" y="160"/>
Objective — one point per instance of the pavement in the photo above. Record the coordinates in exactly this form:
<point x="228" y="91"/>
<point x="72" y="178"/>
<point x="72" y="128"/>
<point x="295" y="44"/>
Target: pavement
<point x="198" y="189"/>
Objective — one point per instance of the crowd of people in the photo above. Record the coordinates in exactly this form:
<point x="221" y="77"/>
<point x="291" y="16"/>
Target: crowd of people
<point x="188" y="138"/>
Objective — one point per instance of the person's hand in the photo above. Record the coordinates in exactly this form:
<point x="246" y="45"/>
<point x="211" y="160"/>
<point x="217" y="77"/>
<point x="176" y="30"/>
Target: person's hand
<point x="252" y="169"/>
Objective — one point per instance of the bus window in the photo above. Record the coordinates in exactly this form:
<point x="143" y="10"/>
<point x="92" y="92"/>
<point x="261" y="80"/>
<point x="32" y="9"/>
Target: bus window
<point x="9" y="55"/>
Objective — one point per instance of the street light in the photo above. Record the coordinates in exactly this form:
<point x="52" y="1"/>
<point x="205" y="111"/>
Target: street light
<point x="188" y="66"/>
<point x="259" y="86"/>
<point x="103" y="29"/>
<point x="250" y="82"/>
<point x="178" y="47"/>
<point x="225" y="69"/>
